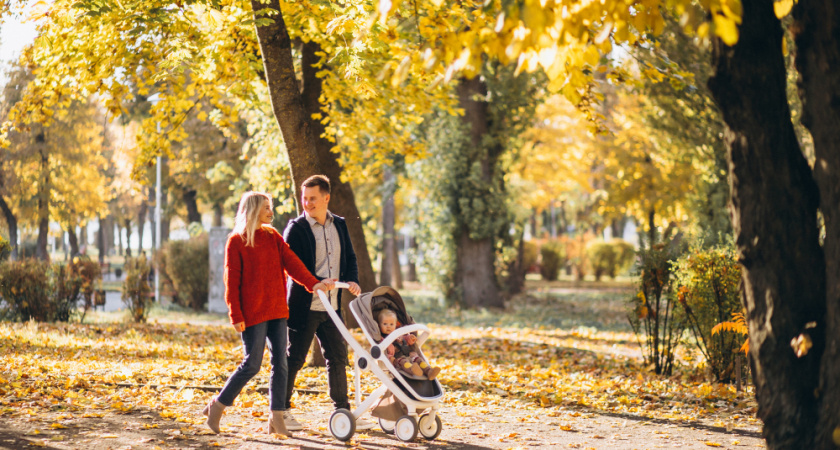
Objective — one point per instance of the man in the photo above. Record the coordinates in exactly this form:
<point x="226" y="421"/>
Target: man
<point x="321" y="241"/>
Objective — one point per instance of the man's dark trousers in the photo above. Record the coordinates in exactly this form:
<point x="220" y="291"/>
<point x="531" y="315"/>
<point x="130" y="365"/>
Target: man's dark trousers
<point x="318" y="323"/>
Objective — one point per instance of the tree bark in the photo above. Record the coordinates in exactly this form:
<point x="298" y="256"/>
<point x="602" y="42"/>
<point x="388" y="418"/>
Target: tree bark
<point x="818" y="62"/>
<point x="11" y="223"/>
<point x="309" y="153"/>
<point x="128" y="238"/>
<point x="475" y="273"/>
<point x="385" y="275"/>
<point x="342" y="199"/>
<point x="100" y="240"/>
<point x="43" y="201"/>
<point x="190" y="200"/>
<point x="141" y="225"/>
<point x="411" y="270"/>
<point x="217" y="214"/>
<point x="73" y="240"/>
<point x="774" y="202"/>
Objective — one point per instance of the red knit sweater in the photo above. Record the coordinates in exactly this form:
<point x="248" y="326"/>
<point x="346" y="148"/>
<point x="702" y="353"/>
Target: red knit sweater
<point x="255" y="277"/>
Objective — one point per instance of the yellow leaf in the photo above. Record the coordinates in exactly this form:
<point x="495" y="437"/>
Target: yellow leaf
<point x="726" y="29"/>
<point x="57" y="426"/>
<point x="835" y="436"/>
<point x="782" y="8"/>
<point x="712" y="444"/>
<point x="801" y="344"/>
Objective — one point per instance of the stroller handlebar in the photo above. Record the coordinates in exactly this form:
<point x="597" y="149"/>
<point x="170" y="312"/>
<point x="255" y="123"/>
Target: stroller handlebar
<point x="341" y="285"/>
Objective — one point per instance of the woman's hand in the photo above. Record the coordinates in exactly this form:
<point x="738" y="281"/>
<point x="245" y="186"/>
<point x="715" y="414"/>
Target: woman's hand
<point x="354" y="288"/>
<point x="239" y="327"/>
<point x="327" y="284"/>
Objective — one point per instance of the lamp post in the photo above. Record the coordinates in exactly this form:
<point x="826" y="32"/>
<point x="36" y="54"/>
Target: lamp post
<point x="153" y="99"/>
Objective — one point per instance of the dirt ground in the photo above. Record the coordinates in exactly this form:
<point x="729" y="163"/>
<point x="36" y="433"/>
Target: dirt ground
<point x="493" y="427"/>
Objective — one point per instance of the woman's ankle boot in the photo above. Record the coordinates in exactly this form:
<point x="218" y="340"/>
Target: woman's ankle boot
<point x="276" y="424"/>
<point x="214" y="411"/>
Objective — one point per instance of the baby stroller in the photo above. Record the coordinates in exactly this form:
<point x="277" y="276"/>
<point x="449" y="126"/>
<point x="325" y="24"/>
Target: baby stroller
<point x="405" y="405"/>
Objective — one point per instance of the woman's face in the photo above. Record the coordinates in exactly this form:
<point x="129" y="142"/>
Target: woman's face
<point x="266" y="214"/>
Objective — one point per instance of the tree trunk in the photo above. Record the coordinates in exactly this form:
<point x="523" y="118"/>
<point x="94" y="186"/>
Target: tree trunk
<point x="100" y="240"/>
<point x="73" y="240"/>
<point x="11" y="223"/>
<point x="385" y="276"/>
<point x="128" y="238"/>
<point x="308" y="152"/>
<point x="818" y="61"/>
<point x="774" y="202"/>
<point x="517" y="270"/>
<point x="43" y="202"/>
<point x="342" y="199"/>
<point x="475" y="273"/>
<point x="119" y="239"/>
<point x="165" y="217"/>
<point x="217" y="214"/>
<point x="190" y="200"/>
<point x="411" y="270"/>
<point x="141" y="225"/>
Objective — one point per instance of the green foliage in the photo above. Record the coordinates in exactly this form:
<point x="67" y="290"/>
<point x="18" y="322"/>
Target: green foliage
<point x="552" y="259"/>
<point x="654" y="313"/>
<point x="610" y="258"/>
<point x="40" y="291"/>
<point x="187" y="264"/>
<point x="5" y="248"/>
<point x="708" y="293"/>
<point x="136" y="292"/>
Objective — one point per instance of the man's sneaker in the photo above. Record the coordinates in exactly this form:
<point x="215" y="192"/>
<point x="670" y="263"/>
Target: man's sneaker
<point x="291" y="423"/>
<point x="363" y="424"/>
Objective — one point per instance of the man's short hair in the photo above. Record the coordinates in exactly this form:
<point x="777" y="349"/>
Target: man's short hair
<point x="318" y="180"/>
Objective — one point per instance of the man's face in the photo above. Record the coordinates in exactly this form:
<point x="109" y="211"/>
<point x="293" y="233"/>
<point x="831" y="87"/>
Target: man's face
<point x="314" y="201"/>
<point x="387" y="325"/>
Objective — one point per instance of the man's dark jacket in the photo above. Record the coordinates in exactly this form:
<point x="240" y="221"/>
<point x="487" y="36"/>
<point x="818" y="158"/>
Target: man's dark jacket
<point x="298" y="235"/>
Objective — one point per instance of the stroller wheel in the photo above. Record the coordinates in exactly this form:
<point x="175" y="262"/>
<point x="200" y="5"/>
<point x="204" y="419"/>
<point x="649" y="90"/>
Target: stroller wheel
<point x="406" y="428"/>
<point x="387" y="426"/>
<point x="429" y="428"/>
<point x="342" y="425"/>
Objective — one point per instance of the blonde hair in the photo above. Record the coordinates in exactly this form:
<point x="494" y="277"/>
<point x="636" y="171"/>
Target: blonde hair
<point x="247" y="220"/>
<point x="385" y="313"/>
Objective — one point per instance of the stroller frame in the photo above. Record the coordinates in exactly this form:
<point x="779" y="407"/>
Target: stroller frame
<point x="422" y="411"/>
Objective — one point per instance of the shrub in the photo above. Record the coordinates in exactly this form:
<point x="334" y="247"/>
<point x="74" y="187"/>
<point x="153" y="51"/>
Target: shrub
<point x="5" y="249"/>
<point x="654" y="307"/>
<point x="553" y="257"/>
<point x="187" y="264"/>
<point x="136" y="291"/>
<point x="709" y="295"/>
<point x="610" y="258"/>
<point x="575" y="250"/>
<point x="530" y="254"/>
<point x="45" y="292"/>
<point x="90" y="273"/>
<point x="25" y="287"/>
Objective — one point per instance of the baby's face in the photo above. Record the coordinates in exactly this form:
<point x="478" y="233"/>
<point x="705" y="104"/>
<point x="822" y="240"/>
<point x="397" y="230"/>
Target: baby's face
<point x="387" y="325"/>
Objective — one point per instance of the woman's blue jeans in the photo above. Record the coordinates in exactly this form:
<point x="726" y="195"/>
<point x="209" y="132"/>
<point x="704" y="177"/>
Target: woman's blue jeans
<point x="253" y="344"/>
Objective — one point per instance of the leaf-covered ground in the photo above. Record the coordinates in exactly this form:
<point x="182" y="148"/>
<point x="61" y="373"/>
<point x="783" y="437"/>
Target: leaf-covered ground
<point x="558" y="368"/>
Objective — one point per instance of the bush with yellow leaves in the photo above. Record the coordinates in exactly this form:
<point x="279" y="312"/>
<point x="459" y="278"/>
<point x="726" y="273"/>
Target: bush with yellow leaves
<point x="709" y="295"/>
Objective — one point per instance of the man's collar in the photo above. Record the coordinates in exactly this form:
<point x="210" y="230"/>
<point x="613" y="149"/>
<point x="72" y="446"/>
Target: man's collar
<point x="312" y="221"/>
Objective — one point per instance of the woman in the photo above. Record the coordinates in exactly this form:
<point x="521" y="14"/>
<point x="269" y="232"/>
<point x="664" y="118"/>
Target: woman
<point x="257" y="260"/>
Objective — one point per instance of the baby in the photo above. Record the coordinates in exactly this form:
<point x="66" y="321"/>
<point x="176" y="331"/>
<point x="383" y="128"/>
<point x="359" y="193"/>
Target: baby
<point x="401" y="353"/>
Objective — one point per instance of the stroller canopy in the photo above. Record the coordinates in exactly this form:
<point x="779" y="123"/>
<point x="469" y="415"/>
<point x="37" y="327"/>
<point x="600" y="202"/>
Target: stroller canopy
<point x="371" y="303"/>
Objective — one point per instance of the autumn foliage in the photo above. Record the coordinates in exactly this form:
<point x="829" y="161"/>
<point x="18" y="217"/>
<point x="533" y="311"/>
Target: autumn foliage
<point x="709" y="295"/>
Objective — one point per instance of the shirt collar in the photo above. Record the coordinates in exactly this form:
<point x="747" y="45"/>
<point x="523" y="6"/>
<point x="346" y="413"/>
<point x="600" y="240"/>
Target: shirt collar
<point x="312" y="221"/>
